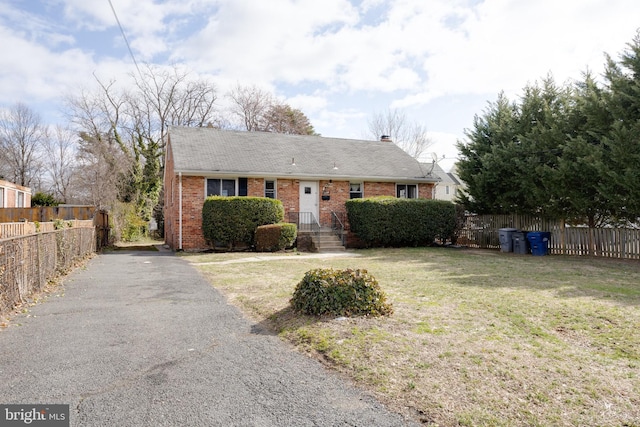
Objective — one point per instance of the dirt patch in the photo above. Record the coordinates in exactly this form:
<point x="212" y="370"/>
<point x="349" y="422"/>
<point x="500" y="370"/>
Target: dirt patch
<point x="152" y="248"/>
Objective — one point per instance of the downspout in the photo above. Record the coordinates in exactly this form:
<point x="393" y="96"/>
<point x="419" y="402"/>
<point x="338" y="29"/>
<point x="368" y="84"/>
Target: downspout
<point x="180" y="210"/>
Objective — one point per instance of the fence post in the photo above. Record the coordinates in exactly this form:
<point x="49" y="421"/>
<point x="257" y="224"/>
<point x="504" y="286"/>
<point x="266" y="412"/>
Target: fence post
<point x="563" y="246"/>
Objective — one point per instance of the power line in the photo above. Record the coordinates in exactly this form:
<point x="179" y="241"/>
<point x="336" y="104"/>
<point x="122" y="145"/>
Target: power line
<point x="124" y="36"/>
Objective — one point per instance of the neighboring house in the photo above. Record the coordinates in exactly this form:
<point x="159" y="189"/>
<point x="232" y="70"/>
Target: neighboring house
<point x="447" y="187"/>
<point x="14" y="195"/>
<point x="313" y="176"/>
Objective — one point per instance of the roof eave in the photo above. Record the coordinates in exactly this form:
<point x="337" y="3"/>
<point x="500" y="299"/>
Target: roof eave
<point x="298" y="175"/>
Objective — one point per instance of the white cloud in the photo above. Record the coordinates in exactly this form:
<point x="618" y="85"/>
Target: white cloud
<point x="443" y="147"/>
<point x="36" y="73"/>
<point x="336" y="60"/>
<point x="308" y="104"/>
<point x="275" y="40"/>
<point x="339" y="122"/>
<point x="503" y="45"/>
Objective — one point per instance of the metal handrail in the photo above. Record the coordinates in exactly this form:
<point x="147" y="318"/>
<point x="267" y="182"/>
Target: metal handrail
<point x="337" y="225"/>
<point x="305" y="221"/>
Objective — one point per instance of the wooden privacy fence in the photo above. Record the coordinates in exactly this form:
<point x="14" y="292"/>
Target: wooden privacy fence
<point x="46" y="213"/>
<point x="27" y="263"/>
<point x="481" y="231"/>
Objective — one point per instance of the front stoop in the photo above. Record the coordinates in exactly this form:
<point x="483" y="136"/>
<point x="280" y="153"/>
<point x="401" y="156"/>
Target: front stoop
<point x="327" y="241"/>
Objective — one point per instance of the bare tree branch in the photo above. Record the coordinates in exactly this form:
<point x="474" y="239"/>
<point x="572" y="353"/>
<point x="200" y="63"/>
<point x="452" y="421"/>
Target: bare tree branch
<point x="22" y="138"/>
<point x="410" y="136"/>
<point x="61" y="163"/>
<point x="250" y="106"/>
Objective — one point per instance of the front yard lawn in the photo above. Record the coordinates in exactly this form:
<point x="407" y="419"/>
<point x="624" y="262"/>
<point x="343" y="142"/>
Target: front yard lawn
<point x="477" y="337"/>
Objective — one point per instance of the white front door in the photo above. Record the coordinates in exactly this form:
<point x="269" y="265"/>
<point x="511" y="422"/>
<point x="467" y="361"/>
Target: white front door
<point x="308" y="201"/>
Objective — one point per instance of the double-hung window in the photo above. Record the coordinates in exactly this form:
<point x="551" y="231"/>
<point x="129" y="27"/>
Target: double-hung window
<point x="355" y="190"/>
<point x="407" y="191"/>
<point x="1" y="197"/>
<point x="20" y="199"/>
<point x="270" y="189"/>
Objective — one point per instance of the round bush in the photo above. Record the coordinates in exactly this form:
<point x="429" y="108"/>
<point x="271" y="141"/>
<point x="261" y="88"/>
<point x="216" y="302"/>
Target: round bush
<point x="275" y="237"/>
<point x="341" y="293"/>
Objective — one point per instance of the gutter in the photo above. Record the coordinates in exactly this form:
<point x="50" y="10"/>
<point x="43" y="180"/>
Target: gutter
<point x="310" y="176"/>
<point x="180" y="210"/>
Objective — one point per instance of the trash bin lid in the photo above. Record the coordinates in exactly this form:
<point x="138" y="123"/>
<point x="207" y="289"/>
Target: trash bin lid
<point x="508" y="229"/>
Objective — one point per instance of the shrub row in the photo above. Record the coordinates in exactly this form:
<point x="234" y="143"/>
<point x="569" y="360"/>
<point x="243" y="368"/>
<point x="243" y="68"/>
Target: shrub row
<point x="388" y="221"/>
<point x="341" y="293"/>
<point x="275" y="237"/>
<point x="232" y="221"/>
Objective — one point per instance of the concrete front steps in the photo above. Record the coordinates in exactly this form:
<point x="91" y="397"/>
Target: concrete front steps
<point x="328" y="241"/>
<point x="325" y="241"/>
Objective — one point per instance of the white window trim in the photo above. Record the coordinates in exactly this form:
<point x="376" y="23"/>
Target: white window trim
<point x="236" y="185"/>
<point x="404" y="183"/>
<point x="361" y="188"/>
<point x="275" y="187"/>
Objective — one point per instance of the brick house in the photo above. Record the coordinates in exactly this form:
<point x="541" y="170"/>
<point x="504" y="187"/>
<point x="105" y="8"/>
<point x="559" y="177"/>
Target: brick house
<point x="313" y="176"/>
<point x="14" y="195"/>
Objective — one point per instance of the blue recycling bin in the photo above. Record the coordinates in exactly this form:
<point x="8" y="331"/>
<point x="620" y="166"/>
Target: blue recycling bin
<point x="539" y="242"/>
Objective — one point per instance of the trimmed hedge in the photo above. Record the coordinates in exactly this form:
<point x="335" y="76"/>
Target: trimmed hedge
<point x="275" y="237"/>
<point x="232" y="221"/>
<point x="340" y="293"/>
<point x="389" y="221"/>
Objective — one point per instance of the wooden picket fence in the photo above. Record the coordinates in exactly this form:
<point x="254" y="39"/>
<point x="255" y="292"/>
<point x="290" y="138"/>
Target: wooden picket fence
<point x="15" y="229"/>
<point x="481" y="231"/>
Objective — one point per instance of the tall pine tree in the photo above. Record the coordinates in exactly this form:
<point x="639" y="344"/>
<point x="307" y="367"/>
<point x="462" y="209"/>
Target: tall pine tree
<point x="622" y="144"/>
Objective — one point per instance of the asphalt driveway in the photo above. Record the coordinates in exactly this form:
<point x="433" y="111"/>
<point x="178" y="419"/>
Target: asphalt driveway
<point x="142" y="339"/>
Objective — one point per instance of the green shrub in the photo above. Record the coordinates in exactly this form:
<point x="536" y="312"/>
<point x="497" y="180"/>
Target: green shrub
<point x="389" y="221"/>
<point x="275" y="237"/>
<point x="232" y="221"/>
<point x="126" y="224"/>
<point x="341" y="293"/>
<point x="288" y="235"/>
<point x="43" y="199"/>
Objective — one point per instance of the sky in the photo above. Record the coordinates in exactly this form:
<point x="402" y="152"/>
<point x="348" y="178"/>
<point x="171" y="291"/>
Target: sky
<point x="440" y="62"/>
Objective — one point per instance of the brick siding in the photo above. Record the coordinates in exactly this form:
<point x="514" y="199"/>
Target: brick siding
<point x="287" y="191"/>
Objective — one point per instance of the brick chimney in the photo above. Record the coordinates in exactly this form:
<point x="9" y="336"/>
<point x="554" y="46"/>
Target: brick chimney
<point x="385" y="138"/>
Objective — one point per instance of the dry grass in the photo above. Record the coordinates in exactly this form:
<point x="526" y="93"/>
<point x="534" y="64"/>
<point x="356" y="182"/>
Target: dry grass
<point x="477" y="337"/>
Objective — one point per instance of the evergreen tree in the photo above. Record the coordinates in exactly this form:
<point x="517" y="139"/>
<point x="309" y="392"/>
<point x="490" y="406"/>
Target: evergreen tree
<point x="581" y="167"/>
<point x="481" y="165"/>
<point x="569" y="152"/>
<point x="622" y="145"/>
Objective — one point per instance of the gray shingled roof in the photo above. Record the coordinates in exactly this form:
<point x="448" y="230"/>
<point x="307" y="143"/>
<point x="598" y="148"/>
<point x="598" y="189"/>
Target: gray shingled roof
<point x="209" y="151"/>
<point x="437" y="171"/>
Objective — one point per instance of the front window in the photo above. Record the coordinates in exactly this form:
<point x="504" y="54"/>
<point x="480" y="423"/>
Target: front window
<point x="1" y="197"/>
<point x="20" y="199"/>
<point x="270" y="189"/>
<point x="406" y="191"/>
<point x="221" y="187"/>
<point x="355" y="190"/>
